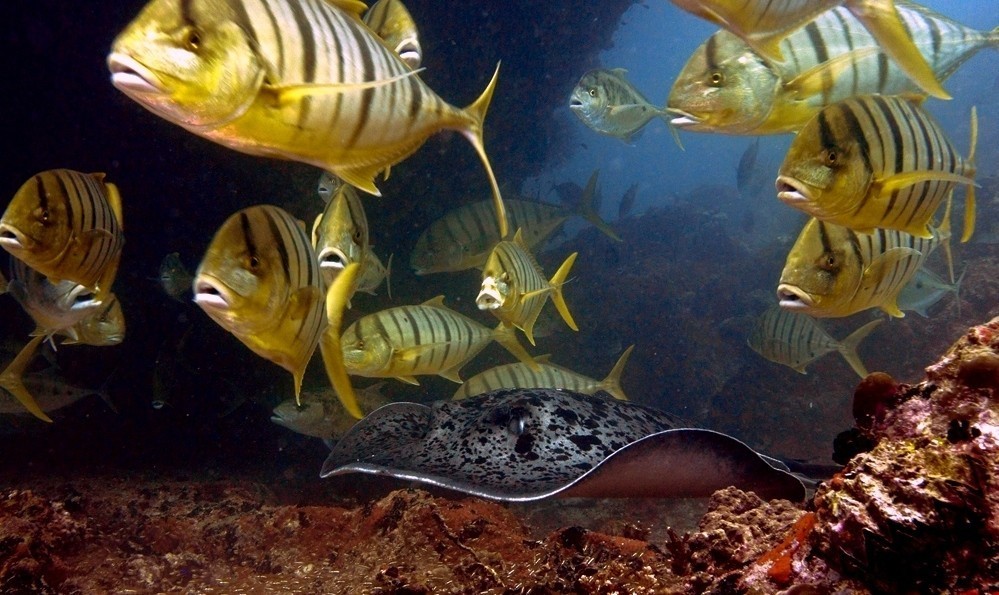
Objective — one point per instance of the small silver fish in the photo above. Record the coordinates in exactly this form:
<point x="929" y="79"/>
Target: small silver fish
<point x="609" y="104"/>
<point x="926" y="289"/>
<point x="174" y="277"/>
<point x="321" y="413"/>
<point x="54" y="307"/>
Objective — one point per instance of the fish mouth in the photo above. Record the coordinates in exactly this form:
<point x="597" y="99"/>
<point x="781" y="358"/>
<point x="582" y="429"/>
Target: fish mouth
<point x="128" y="75"/>
<point x="792" y="192"/>
<point x="211" y="294"/>
<point x="332" y="258"/>
<point x="12" y="239"/>
<point x="793" y="298"/>
<point x="489" y="297"/>
<point x="682" y="119"/>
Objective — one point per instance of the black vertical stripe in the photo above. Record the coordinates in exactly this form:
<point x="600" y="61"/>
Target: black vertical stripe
<point x="882" y="71"/>
<point x="711" y="53"/>
<point x="367" y="95"/>
<point x="306" y="32"/>
<point x="248" y="239"/>
<point x="279" y="244"/>
<point x="276" y="27"/>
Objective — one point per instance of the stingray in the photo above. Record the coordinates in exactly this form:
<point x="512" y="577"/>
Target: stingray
<point x="527" y="444"/>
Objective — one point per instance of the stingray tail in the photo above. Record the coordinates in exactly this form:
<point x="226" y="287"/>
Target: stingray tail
<point x="848" y="346"/>
<point x="612" y="384"/>
<point x="10" y="379"/>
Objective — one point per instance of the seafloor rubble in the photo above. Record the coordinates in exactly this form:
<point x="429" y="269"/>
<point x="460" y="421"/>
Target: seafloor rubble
<point x="915" y="511"/>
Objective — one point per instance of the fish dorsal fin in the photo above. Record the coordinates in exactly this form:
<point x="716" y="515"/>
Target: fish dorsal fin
<point x="355" y="8"/>
<point x="619" y="71"/>
<point x="436" y="301"/>
<point x="114" y="200"/>
<point x="816" y="80"/>
<point x="518" y="238"/>
<point x="315" y="230"/>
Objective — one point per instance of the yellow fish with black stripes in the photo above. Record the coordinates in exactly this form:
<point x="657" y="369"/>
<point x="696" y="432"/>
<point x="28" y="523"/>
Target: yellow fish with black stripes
<point x="515" y="289"/>
<point x="303" y="80"/>
<point x="876" y="162"/>
<point x="259" y="279"/>
<point x="833" y="271"/>
<point x="726" y="87"/>
<point x="795" y="339"/>
<point x="425" y="339"/>
<point x="67" y="226"/>
<point x="340" y="233"/>
<point x="390" y="20"/>
<point x="763" y="24"/>
<point x="548" y="375"/>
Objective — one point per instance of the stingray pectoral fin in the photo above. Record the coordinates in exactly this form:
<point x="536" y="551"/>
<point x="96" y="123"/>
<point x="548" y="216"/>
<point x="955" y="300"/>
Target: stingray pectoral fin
<point x="685" y="462"/>
<point x="392" y="432"/>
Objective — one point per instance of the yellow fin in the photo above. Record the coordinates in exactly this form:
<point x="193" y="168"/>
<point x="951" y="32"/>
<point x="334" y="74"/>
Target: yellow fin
<point x="336" y="302"/>
<point x="507" y="337"/>
<point x="452" y="374"/>
<point x="848" y="346"/>
<point x="362" y="178"/>
<point x="612" y="383"/>
<point x="284" y="94"/>
<point x="558" y="279"/>
<point x="10" y="378"/>
<point x="817" y="79"/>
<point x="881" y="267"/>
<point x="408" y="380"/>
<point x="884" y="23"/>
<point x="114" y="201"/>
<point x="477" y="113"/>
<point x="354" y="8"/>
<point x="908" y="178"/>
<point x="437" y="301"/>
<point x="969" y="197"/>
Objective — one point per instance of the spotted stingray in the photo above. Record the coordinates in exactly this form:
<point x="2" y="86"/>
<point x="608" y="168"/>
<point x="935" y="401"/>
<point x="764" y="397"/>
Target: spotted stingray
<point x="529" y="444"/>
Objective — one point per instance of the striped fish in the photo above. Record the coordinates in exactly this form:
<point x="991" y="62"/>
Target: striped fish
<point x="515" y="289"/>
<point x="873" y="161"/>
<point x="11" y="379"/>
<point x="727" y="87"/>
<point x="260" y="280"/>
<point x="66" y="225"/>
<point x="430" y="338"/>
<point x="833" y="271"/>
<point x="463" y="238"/>
<point x="303" y="80"/>
<point x="762" y="24"/>
<point x="340" y="233"/>
<point x="608" y="103"/>
<point x="796" y="340"/>
<point x="548" y="375"/>
<point x="391" y="21"/>
<point x="55" y="307"/>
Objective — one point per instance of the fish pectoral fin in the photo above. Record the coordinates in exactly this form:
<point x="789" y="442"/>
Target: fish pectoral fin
<point x="411" y="354"/>
<point x="284" y="94"/>
<point x="114" y="200"/>
<point x="887" y="186"/>
<point x="362" y="178"/>
<point x="408" y="380"/>
<point x="819" y="78"/>
<point x="880" y="268"/>
<point x="303" y="301"/>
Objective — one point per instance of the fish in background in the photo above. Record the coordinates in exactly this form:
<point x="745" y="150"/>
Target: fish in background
<point x="795" y="340"/>
<point x="174" y="277"/>
<point x="514" y="288"/>
<point x="67" y="226"/>
<point x="463" y="238"/>
<point x="876" y="162"/>
<point x="52" y="391"/>
<point x="763" y="24"/>
<point x="3" y="284"/>
<point x="548" y="375"/>
<point x="303" y="80"/>
<point x="102" y="328"/>
<point x="321" y="414"/>
<point x="833" y="271"/>
<point x="627" y="201"/>
<point x="259" y="279"/>
<point x="391" y="21"/>
<point x="426" y="339"/>
<point x="726" y="87"/>
<point x="340" y="233"/>
<point x="12" y="378"/>
<point x="926" y="289"/>
<point x="609" y="104"/>
<point x="328" y="186"/>
<point x="374" y="274"/>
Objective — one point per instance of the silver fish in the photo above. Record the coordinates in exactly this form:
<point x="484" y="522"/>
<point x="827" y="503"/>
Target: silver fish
<point x="609" y="104"/>
<point x="926" y="289"/>
<point x="321" y="414"/>
<point x="55" y="307"/>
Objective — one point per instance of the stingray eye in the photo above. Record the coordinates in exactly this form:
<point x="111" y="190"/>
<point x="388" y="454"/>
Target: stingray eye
<point x="192" y="39"/>
<point x="716" y="78"/>
<point x="516" y="425"/>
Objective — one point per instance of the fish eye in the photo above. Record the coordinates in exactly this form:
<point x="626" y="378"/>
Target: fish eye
<point x="717" y="78"/>
<point x="43" y="215"/>
<point x="829" y="262"/>
<point x="830" y="157"/>
<point x="192" y="39"/>
<point x="593" y="91"/>
<point x="254" y="263"/>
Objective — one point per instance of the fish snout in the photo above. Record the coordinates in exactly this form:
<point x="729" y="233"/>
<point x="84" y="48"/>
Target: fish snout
<point x="682" y="119"/>
<point x="12" y="239"/>
<point x="210" y="293"/>
<point x="793" y="298"/>
<point x="489" y="297"/>
<point x="128" y="75"/>
<point x="791" y="192"/>
<point x="332" y="258"/>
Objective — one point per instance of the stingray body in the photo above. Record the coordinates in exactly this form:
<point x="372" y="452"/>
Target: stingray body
<point x="529" y="444"/>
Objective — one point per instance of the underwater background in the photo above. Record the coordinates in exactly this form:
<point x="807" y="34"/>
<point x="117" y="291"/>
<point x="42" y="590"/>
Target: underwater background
<point x="699" y="261"/>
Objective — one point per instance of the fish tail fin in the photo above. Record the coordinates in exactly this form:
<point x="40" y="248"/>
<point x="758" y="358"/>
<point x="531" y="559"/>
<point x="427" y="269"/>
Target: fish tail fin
<point x="969" y="197"/>
<point x="884" y="23"/>
<point x="507" y="337"/>
<point x="10" y="378"/>
<point x="477" y="114"/>
<point x="848" y="346"/>
<point x="329" y="343"/>
<point x="992" y="37"/>
<point x="557" y="281"/>
<point x="586" y="210"/>
<point x="612" y="383"/>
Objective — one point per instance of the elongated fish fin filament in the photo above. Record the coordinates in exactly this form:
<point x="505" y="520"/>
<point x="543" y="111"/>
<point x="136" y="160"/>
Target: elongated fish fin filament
<point x="612" y="383"/>
<point x="388" y="276"/>
<point x="557" y="281"/>
<point x="10" y="379"/>
<point x="848" y="346"/>
<point x="885" y="24"/>
<point x="507" y="337"/>
<point x="586" y="210"/>
<point x="329" y="344"/>
<point x="820" y="78"/>
<point x="477" y="114"/>
<point x="969" y="197"/>
<point x="944" y="234"/>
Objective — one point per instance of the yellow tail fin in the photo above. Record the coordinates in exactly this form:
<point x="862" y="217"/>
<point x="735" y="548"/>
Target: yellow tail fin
<point x="10" y="379"/>
<point x="612" y="384"/>
<point x="477" y="113"/>
<point x="558" y="280"/>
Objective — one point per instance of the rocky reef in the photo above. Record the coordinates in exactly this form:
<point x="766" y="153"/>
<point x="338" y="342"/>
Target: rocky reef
<point x="913" y="509"/>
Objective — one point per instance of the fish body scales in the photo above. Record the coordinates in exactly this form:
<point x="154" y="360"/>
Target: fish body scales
<point x="519" y="375"/>
<point x="790" y="338"/>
